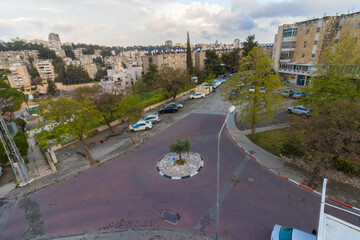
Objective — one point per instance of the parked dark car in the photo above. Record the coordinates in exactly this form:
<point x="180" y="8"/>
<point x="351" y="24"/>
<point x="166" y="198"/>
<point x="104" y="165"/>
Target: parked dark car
<point x="168" y="109"/>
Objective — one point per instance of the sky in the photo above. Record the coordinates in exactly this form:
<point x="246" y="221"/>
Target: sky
<point x="152" y="22"/>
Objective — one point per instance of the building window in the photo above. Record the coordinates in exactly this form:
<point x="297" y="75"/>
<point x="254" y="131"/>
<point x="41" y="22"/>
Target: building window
<point x="315" y="42"/>
<point x="305" y="44"/>
<point x="307" y="31"/>
<point x="303" y="55"/>
<point x="290" y="32"/>
<point x="318" y="29"/>
<point x="313" y="55"/>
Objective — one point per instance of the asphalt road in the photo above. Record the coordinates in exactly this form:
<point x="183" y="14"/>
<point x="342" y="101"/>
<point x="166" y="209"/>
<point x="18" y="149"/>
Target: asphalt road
<point x="128" y="192"/>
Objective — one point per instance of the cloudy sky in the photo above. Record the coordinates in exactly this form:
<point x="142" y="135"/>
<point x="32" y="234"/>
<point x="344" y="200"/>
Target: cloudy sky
<point x="151" y="22"/>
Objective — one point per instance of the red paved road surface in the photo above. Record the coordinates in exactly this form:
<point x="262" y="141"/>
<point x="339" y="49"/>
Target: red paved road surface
<point x="128" y="192"/>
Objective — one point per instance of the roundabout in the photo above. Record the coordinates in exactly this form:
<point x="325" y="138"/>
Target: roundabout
<point x="168" y="167"/>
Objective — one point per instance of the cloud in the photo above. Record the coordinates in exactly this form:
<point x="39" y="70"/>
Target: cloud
<point x="144" y="22"/>
<point x="52" y="10"/>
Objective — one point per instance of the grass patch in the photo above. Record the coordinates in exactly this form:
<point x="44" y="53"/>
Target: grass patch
<point x="272" y="141"/>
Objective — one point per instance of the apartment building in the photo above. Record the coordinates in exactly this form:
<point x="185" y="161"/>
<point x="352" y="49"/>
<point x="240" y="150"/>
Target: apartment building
<point x="300" y="47"/>
<point x="169" y="43"/>
<point x="45" y="69"/>
<point x="19" y="77"/>
<point x="16" y="56"/>
<point x="116" y="82"/>
<point x="91" y="69"/>
<point x="172" y="60"/>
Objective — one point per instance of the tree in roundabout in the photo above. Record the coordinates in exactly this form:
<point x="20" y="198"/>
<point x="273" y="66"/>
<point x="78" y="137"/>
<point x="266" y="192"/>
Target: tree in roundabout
<point x="180" y="146"/>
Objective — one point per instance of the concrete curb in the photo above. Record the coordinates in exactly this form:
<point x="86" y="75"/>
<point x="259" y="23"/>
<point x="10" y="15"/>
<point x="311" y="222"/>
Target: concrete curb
<point x="286" y="178"/>
<point x="184" y="177"/>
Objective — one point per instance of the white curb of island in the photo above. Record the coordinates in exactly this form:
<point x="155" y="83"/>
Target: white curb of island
<point x="187" y="176"/>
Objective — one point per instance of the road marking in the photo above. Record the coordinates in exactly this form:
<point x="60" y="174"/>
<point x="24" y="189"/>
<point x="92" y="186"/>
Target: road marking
<point x="211" y="214"/>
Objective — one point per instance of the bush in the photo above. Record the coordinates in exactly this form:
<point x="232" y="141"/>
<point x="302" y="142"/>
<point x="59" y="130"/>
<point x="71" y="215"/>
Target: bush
<point x="291" y="148"/>
<point x="22" y="144"/>
<point x="347" y="166"/>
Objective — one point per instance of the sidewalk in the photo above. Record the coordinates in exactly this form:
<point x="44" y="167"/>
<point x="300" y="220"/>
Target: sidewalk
<point x="291" y="172"/>
<point x="143" y="234"/>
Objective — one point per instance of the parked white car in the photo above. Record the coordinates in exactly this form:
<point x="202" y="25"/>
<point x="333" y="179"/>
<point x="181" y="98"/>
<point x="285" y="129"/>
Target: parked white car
<point x="140" y="125"/>
<point x="153" y="118"/>
<point x="197" y="95"/>
<point x="280" y="232"/>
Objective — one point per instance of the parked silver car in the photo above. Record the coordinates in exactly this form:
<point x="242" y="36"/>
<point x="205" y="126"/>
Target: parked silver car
<point x="301" y="110"/>
<point x="298" y="95"/>
<point x="153" y="118"/>
<point x="197" y="95"/>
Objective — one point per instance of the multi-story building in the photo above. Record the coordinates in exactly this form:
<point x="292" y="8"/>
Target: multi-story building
<point x="55" y="44"/>
<point x="169" y="43"/>
<point x="45" y="69"/>
<point x="116" y="82"/>
<point x="299" y="47"/>
<point x="54" y="37"/>
<point x="172" y="60"/>
<point x="91" y="69"/>
<point x="19" y="77"/>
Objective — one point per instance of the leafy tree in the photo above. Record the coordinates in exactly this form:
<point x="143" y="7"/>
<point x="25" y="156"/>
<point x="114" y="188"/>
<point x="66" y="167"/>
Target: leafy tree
<point x="174" y="80"/>
<point x="249" y="45"/>
<point x="20" y="123"/>
<point x="76" y="74"/>
<point x="89" y="49"/>
<point x="189" y="62"/>
<point x="74" y="118"/>
<point x="33" y="73"/>
<point x="213" y="63"/>
<point x="45" y="53"/>
<point x="132" y="109"/>
<point x="68" y="51"/>
<point x="179" y="146"/>
<point x="106" y="52"/>
<point x="151" y="77"/>
<point x="17" y="98"/>
<point x="255" y="70"/>
<point x="333" y="131"/>
<point x="105" y="103"/>
<point x="100" y="74"/>
<point x="22" y="143"/>
<point x="99" y="62"/>
<point x="231" y="60"/>
<point x="51" y="88"/>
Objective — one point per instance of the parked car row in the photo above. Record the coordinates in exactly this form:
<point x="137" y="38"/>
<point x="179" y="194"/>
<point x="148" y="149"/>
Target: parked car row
<point x="291" y="93"/>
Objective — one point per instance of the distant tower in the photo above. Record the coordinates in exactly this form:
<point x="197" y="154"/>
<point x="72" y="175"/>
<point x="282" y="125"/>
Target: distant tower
<point x="216" y="42"/>
<point x="54" y="37"/>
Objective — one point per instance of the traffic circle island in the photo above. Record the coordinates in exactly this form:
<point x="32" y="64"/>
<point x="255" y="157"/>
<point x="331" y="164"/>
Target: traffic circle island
<point x="168" y="167"/>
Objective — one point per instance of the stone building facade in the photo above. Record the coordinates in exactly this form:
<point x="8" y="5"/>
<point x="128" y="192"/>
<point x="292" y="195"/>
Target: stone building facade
<point x="299" y="47"/>
<point x="45" y="69"/>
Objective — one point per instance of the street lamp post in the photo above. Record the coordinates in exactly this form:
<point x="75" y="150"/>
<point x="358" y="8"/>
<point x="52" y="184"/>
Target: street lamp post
<point x="222" y="64"/>
<point x="231" y="109"/>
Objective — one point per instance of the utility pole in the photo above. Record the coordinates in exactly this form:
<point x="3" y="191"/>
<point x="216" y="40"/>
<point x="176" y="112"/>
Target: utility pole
<point x="15" y="159"/>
